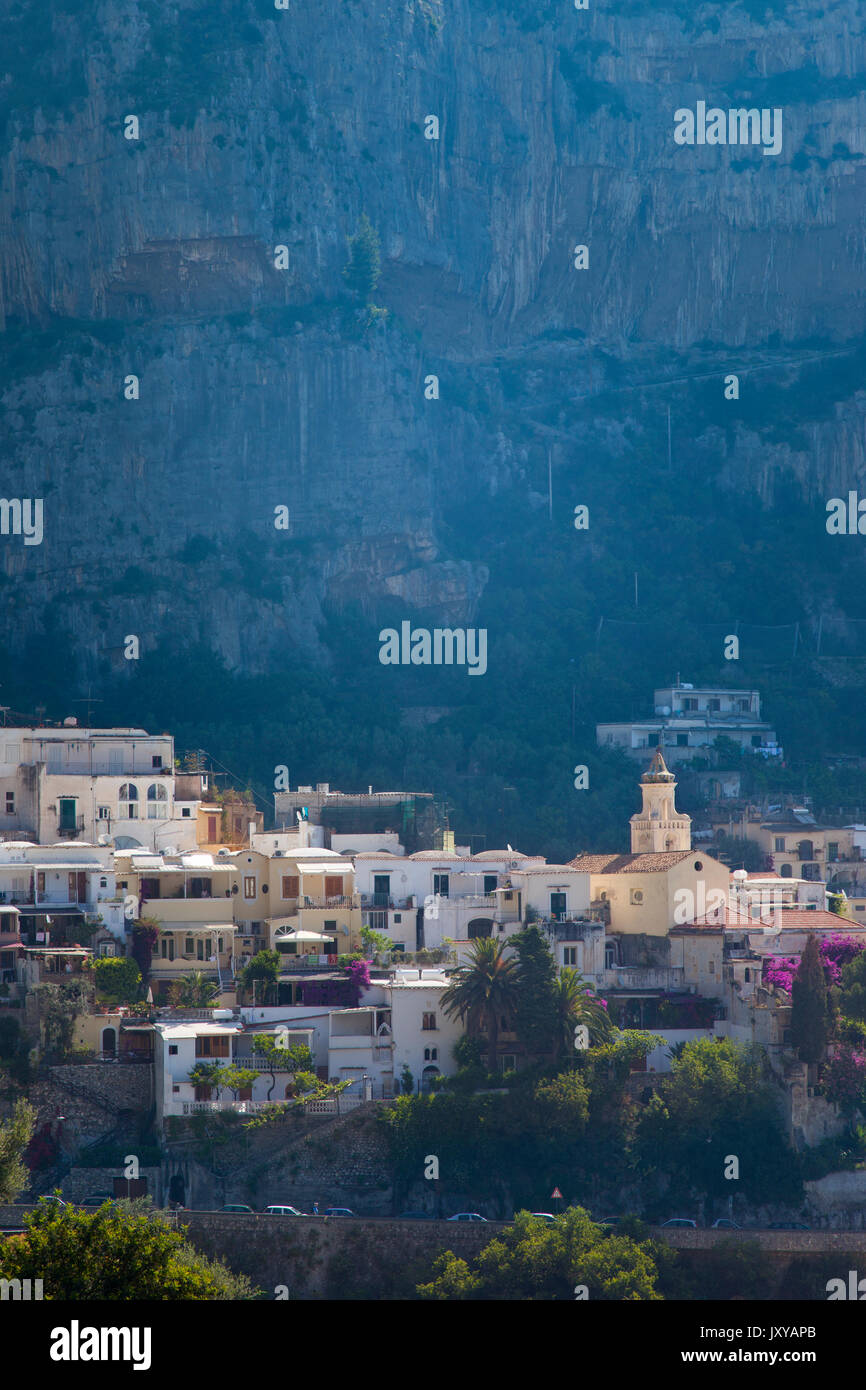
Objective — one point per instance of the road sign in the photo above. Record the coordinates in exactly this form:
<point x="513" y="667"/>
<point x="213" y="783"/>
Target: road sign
<point x="556" y="1193"/>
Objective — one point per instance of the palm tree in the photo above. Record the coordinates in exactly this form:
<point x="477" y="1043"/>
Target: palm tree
<point x="576" y="1002"/>
<point x="484" y="992"/>
<point x="194" y="990"/>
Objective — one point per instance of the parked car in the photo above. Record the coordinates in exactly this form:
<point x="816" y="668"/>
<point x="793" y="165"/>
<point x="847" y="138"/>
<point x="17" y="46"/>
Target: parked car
<point x="237" y="1206"/>
<point x="725" y="1224"/>
<point x="338" y="1211"/>
<point x="467" y="1216"/>
<point x="610" y="1221"/>
<point x="54" y="1201"/>
<point x="543" y="1215"/>
<point x="283" y="1211"/>
<point x="96" y="1199"/>
<point x="417" y="1216"/>
<point x="788" y="1226"/>
<point x="680" y="1221"/>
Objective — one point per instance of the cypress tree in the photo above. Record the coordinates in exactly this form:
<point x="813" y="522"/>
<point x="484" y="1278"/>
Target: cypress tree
<point x="809" y="1013"/>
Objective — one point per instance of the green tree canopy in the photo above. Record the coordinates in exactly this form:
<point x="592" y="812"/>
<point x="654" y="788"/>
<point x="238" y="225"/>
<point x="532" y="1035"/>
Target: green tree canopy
<point x="114" y="1254"/>
<point x="15" y="1135"/>
<point x="117" y="978"/>
<point x="539" y="1260"/>
<point x="535" y="1013"/>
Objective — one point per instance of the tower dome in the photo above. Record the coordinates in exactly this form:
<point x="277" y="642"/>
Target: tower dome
<point x="658" y="828"/>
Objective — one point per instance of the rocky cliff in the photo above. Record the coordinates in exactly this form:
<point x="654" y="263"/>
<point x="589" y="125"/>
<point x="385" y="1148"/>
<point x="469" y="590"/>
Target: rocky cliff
<point x="260" y="387"/>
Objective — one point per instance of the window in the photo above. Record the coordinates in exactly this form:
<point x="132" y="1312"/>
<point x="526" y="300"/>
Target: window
<point x="431" y="1054"/>
<point x="202" y="1092"/>
<point x="712" y="967"/>
<point x="103" y="813"/>
<point x="66" y="808"/>
<point x="40" y="883"/>
<point x="714" y="706"/>
<point x="210" y="1046"/>
<point x="103" y="882"/>
<point x="156" y="760"/>
<point x="609" y="956"/>
<point x="238" y="824"/>
<point x="381" y="890"/>
<point x="150" y="888"/>
<point x="333" y="885"/>
<point x="186" y="811"/>
<point x="636" y="897"/>
<point x="211" y="830"/>
<point x="398" y="917"/>
<point x="428" y="1022"/>
<point x="166" y="947"/>
<point x="779" y="844"/>
<point x="690" y="703"/>
<point x="291" y="885"/>
<point x="756" y="740"/>
<point x="440" y="885"/>
<point x="490" y="882"/>
<point x="508" y="1061"/>
<point x="832" y="852"/>
<point x="172" y="1049"/>
<point x="127" y="801"/>
<point x="569" y="955"/>
<point x="10" y="803"/>
<point x="157" y="799"/>
<point x="249" y="885"/>
<point x="557" y="906"/>
<point x="682" y="740"/>
<point x="188" y="946"/>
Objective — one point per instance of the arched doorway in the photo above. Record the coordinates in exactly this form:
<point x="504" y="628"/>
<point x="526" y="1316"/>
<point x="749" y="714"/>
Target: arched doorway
<point x="109" y="1042"/>
<point x="427" y="1076"/>
<point x="481" y="926"/>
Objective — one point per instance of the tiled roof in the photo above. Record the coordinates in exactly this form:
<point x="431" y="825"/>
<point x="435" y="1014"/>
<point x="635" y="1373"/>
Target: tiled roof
<point x="630" y="863"/>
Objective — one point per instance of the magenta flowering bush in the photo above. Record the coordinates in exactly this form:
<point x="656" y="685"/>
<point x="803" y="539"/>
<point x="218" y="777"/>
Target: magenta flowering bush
<point x="844" y="1079"/>
<point x="836" y="950"/>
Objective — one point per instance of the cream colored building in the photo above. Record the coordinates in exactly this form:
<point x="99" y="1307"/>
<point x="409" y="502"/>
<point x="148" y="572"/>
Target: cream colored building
<point x="663" y="881"/>
<point x="300" y="901"/>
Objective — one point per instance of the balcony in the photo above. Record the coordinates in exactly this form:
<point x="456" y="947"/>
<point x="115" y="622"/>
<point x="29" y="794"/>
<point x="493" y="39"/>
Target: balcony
<point x="644" y="977"/>
<point x="341" y="901"/>
<point x="171" y="912"/>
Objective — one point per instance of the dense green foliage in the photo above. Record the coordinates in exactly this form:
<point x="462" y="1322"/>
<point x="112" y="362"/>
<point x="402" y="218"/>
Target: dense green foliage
<point x="15" y="1135"/>
<point x="540" y="1260"/>
<point x="113" y="1254"/>
<point x="717" y="1103"/>
<point x="118" y="979"/>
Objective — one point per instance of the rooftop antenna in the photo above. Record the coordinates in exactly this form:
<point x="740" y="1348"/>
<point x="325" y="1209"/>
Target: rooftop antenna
<point x="88" y="700"/>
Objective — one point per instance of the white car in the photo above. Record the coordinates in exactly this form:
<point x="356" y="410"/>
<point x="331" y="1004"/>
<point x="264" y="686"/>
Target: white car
<point x="283" y="1211"/>
<point x="467" y="1216"/>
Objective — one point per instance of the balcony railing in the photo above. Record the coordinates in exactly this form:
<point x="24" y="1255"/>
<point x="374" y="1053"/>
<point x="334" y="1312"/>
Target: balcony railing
<point x="341" y="901"/>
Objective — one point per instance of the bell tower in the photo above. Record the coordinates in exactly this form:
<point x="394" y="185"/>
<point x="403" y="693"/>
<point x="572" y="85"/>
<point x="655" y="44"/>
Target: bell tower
<point x="658" y="827"/>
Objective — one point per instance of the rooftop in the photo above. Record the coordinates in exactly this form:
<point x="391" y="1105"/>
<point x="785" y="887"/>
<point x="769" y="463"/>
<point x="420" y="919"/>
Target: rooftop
<point x="629" y="863"/>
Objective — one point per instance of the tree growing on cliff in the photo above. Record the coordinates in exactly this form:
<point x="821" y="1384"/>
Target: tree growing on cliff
<point x="810" y="1015"/>
<point x="362" y="271"/>
<point x="114" y="1254"/>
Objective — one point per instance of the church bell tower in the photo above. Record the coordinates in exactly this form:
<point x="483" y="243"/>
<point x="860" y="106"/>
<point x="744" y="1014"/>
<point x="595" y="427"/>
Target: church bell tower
<point x="658" y="827"/>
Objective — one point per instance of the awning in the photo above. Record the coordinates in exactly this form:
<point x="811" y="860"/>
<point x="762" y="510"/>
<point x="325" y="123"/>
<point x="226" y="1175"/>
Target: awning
<point x="48" y="910"/>
<point x="326" y="868"/>
<point x="304" y="936"/>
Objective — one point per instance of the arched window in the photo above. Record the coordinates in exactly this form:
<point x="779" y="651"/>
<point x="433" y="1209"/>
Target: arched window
<point x="127" y="799"/>
<point x="157" y="796"/>
<point x="785" y="871"/>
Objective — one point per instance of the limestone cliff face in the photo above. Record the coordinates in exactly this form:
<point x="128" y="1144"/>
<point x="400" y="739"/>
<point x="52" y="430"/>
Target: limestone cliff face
<point x="262" y="128"/>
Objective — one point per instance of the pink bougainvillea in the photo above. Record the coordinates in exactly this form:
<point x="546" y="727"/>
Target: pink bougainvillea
<point x="836" y="950"/>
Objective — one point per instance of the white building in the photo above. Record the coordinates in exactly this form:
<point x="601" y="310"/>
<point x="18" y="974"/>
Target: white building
<point x="92" y="784"/>
<point x="57" y="886"/>
<point x="687" y="718"/>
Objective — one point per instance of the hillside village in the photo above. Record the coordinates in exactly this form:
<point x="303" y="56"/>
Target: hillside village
<point x="152" y="928"/>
